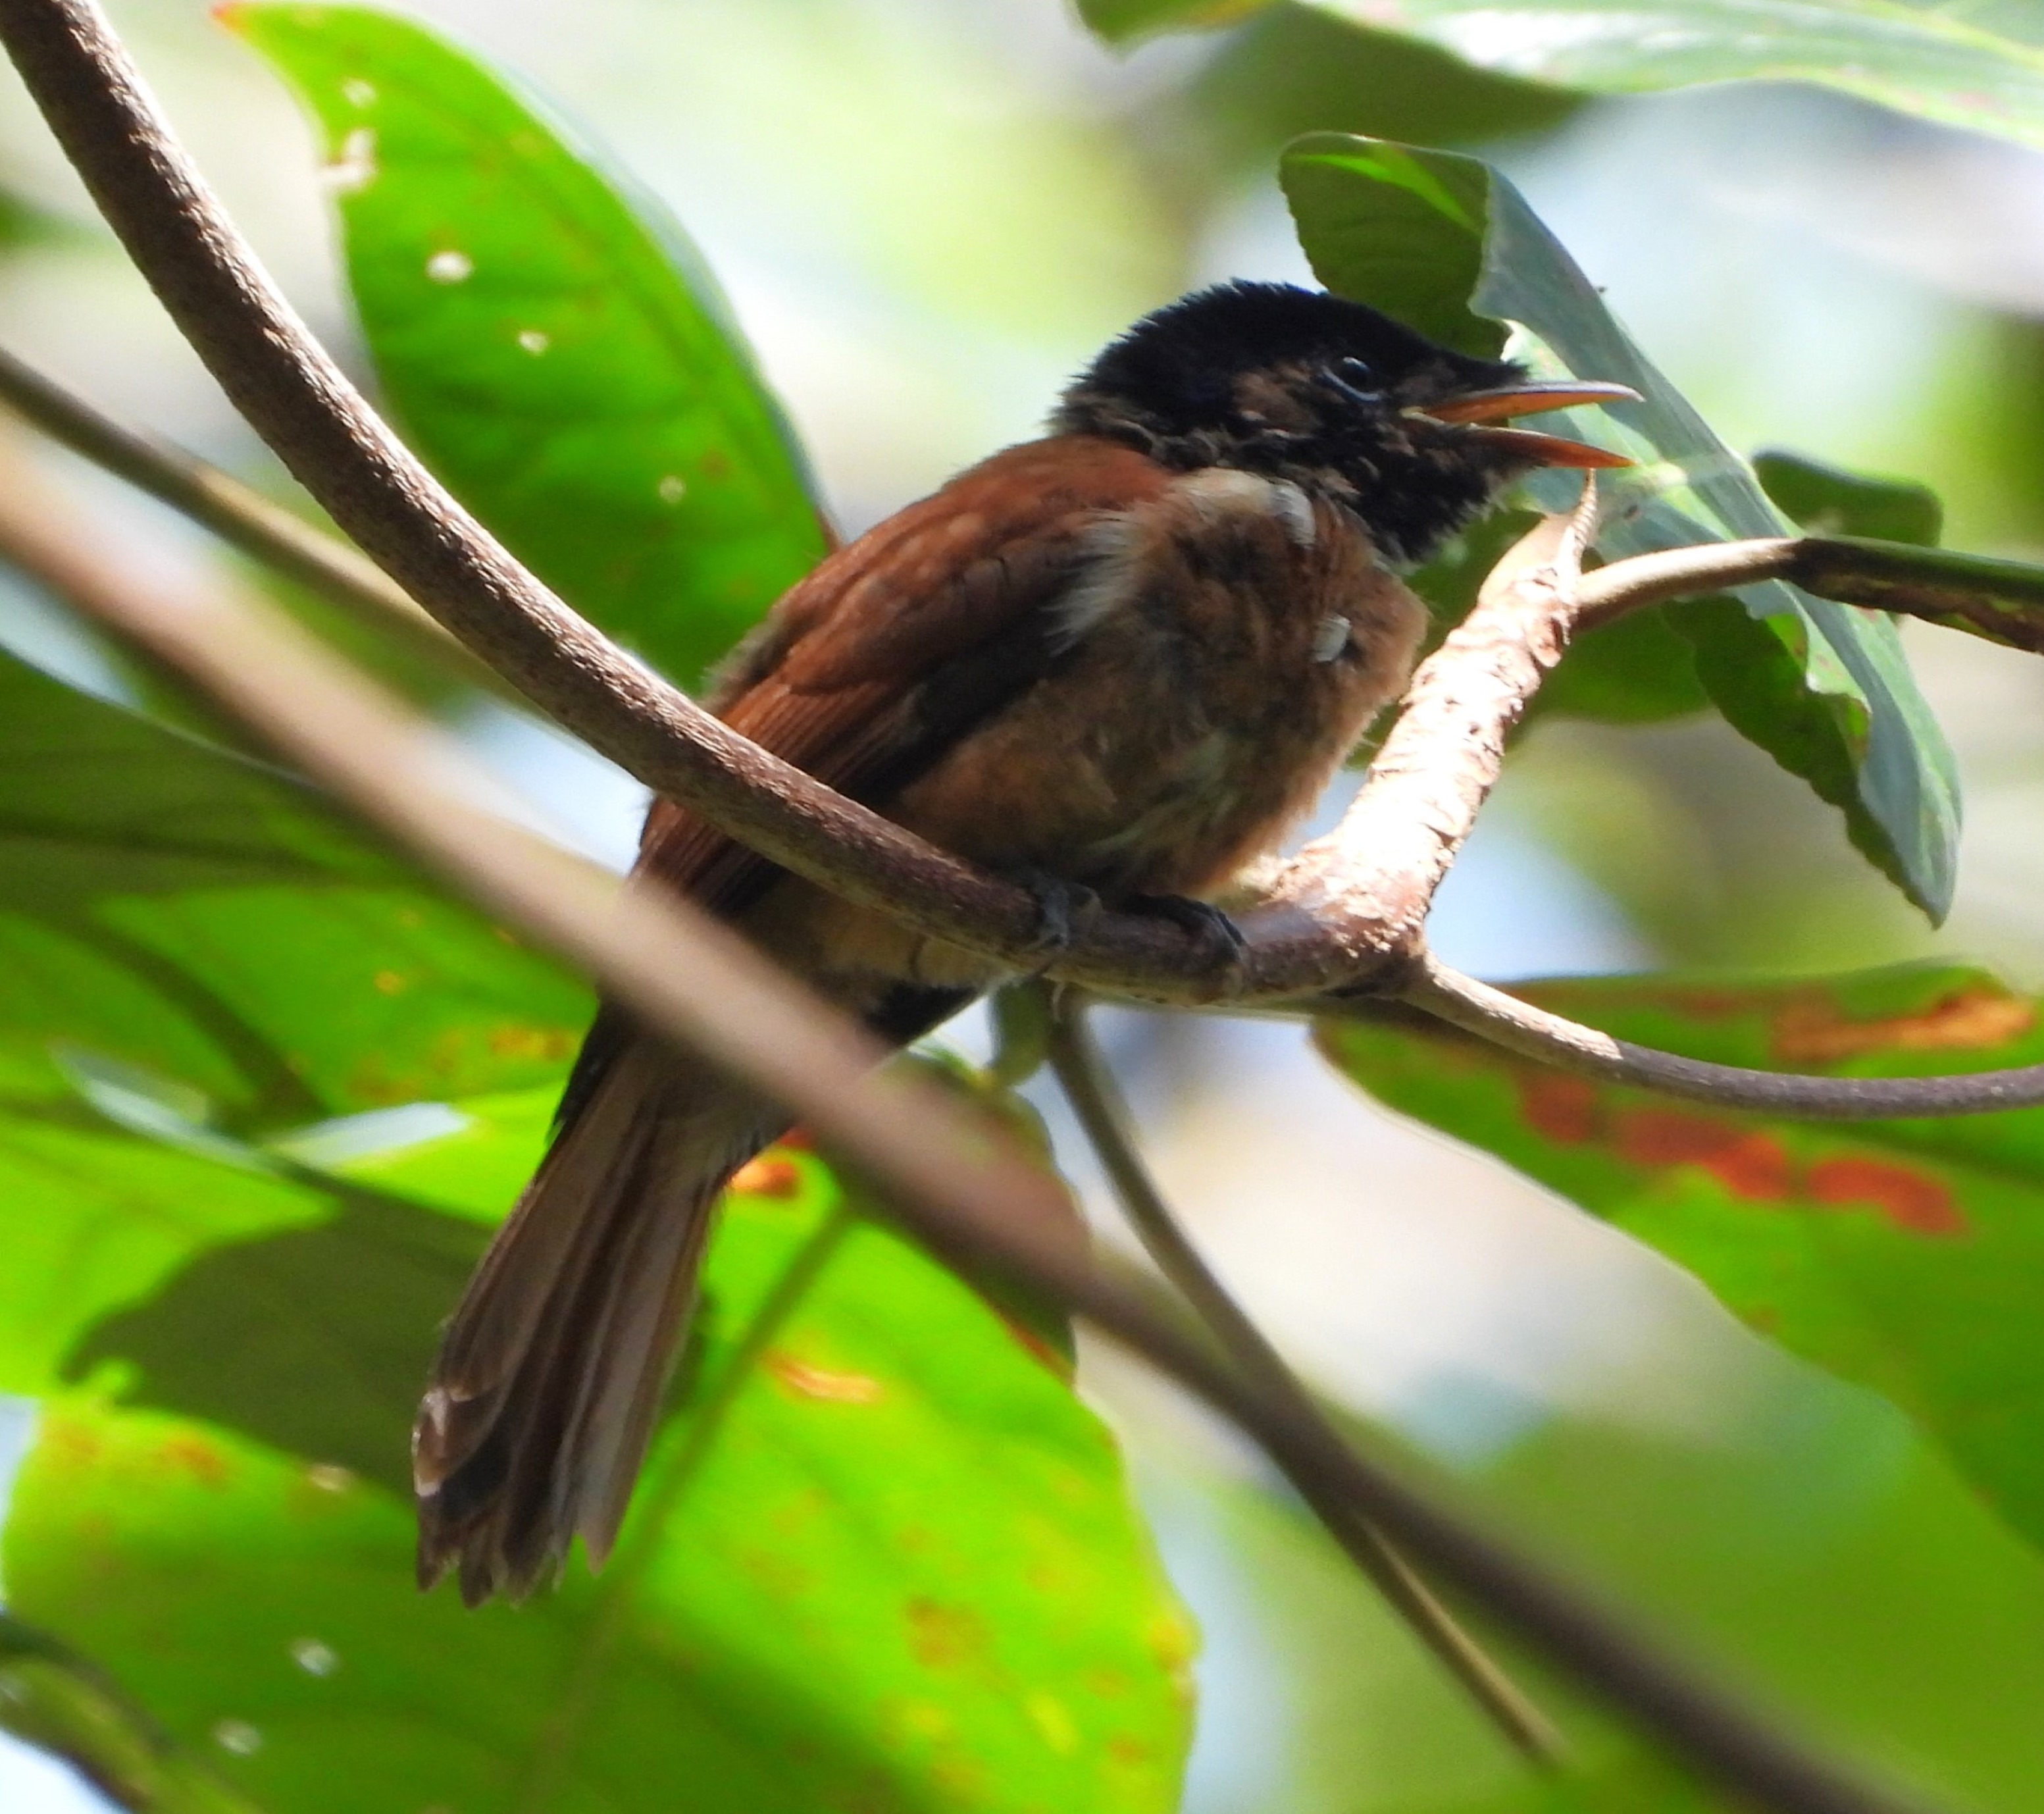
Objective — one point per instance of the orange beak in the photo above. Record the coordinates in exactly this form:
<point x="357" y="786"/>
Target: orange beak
<point x="1486" y="407"/>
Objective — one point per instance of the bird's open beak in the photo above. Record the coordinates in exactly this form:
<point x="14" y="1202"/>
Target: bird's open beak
<point x="1488" y="407"/>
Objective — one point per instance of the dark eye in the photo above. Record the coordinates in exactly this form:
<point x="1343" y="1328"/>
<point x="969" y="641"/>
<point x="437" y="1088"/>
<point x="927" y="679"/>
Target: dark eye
<point x="1351" y="377"/>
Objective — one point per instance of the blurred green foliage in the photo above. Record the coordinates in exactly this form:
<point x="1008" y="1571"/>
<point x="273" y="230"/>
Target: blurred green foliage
<point x="1980" y="71"/>
<point x="229" y="1337"/>
<point x="55" y="1700"/>
<point x="1828" y="500"/>
<point x="1293" y="69"/>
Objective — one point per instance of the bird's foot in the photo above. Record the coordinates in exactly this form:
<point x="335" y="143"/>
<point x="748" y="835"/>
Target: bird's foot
<point x="1064" y="910"/>
<point x="1221" y="935"/>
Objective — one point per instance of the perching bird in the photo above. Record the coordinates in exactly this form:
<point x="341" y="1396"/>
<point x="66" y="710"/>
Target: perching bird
<point x="1125" y="658"/>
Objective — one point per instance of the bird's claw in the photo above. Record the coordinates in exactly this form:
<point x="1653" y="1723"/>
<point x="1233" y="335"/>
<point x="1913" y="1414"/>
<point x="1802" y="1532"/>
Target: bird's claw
<point x="1064" y="910"/>
<point x="1222" y="936"/>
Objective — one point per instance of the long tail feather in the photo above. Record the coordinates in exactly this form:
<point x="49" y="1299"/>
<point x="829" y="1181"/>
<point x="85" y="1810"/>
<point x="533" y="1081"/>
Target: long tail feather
<point x="552" y="1368"/>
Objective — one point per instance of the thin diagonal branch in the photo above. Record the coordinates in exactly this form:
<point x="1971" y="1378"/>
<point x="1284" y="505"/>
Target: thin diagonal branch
<point x="1343" y="914"/>
<point x="237" y="513"/>
<point x="1533" y="1032"/>
<point x="1088" y="1086"/>
<point x="957" y="1182"/>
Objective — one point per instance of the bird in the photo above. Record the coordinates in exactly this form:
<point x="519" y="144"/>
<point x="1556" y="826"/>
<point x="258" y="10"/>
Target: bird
<point x="1122" y="659"/>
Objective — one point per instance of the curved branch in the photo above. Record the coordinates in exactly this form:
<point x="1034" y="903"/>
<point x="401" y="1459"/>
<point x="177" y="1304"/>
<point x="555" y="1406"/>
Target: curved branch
<point x="237" y="513"/>
<point x="1342" y="914"/>
<point x="2000" y="600"/>
<point x="1089" y="1087"/>
<point x="960" y="1185"/>
<point x="1533" y="1032"/>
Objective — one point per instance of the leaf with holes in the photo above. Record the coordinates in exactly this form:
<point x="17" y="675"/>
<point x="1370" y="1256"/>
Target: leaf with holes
<point x="1907" y="1255"/>
<point x="548" y="339"/>
<point x="1981" y="68"/>
<point x="882" y="1554"/>
<point x="1445" y="242"/>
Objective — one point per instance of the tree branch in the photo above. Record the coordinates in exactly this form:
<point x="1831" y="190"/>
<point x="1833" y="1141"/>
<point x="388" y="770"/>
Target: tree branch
<point x="2000" y="600"/>
<point x="301" y="403"/>
<point x="960" y="1185"/>
<point x="1504" y="1020"/>
<point x="237" y="513"/>
<point x="1088" y="1086"/>
<point x="1366" y="888"/>
<point x="1345" y="915"/>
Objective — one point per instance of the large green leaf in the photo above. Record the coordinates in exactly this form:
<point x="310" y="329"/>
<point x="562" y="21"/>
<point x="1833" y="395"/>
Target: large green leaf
<point x="165" y="903"/>
<point x="1906" y="1256"/>
<point x="882" y="1557"/>
<point x="1978" y="67"/>
<point x="548" y="339"/>
<point x="1446" y="243"/>
<point x="884" y="1554"/>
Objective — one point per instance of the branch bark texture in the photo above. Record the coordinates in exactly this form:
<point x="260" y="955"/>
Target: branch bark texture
<point x="1366" y="887"/>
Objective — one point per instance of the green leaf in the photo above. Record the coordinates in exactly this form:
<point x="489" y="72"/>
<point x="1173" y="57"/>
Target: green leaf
<point x="1292" y="69"/>
<point x="882" y="1552"/>
<point x="172" y="905"/>
<point x="1907" y="1255"/>
<point x="1446" y="243"/>
<point x="54" y="1699"/>
<point x="1981" y="68"/>
<point x="1829" y="500"/>
<point x="1123" y="19"/>
<point x="550" y="343"/>
<point x="881" y="1555"/>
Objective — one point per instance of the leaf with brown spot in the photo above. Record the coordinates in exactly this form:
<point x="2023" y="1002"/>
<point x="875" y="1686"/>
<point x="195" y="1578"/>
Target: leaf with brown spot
<point x="1907" y="1256"/>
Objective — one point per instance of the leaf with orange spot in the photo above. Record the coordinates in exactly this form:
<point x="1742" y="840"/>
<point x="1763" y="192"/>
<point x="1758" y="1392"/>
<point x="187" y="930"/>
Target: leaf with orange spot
<point x="1907" y="1256"/>
<point x="873" y="1500"/>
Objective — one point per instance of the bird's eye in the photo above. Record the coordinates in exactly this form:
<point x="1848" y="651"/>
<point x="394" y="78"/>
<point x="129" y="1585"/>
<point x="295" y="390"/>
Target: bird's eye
<point x="1351" y="377"/>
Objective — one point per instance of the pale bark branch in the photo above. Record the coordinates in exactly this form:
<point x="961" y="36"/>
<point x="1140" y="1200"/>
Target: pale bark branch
<point x="1366" y="888"/>
<point x="1346" y="915"/>
<point x="1341" y="915"/>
